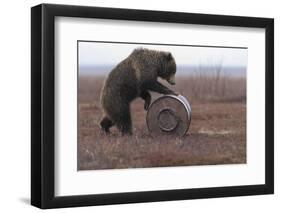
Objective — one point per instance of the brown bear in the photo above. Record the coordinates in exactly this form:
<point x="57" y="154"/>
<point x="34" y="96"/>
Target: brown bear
<point x="134" y="77"/>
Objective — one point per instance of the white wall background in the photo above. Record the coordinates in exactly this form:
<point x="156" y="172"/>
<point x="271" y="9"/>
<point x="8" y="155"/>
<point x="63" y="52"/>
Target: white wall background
<point x="15" y="105"/>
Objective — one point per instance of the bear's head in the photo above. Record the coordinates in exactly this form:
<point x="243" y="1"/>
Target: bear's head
<point x="168" y="68"/>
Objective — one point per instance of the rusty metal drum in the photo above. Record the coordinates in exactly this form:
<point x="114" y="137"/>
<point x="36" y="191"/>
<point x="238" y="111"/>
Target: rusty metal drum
<point x="170" y="115"/>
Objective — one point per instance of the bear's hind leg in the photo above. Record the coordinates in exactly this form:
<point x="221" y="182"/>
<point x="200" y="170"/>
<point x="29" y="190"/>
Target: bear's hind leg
<point x="124" y="122"/>
<point x="105" y="124"/>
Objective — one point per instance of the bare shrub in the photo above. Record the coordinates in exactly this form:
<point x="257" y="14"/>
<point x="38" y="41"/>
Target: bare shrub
<point x="212" y="85"/>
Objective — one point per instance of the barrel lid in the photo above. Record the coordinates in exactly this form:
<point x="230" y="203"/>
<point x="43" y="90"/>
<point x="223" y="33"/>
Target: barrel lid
<point x="169" y="114"/>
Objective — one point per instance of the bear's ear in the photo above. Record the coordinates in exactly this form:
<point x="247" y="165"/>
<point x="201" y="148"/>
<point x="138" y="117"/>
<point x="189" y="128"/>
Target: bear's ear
<point x="168" y="56"/>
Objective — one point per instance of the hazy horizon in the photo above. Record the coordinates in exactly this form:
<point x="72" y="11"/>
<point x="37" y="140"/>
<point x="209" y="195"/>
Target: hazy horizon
<point x="96" y="58"/>
<point x="235" y="71"/>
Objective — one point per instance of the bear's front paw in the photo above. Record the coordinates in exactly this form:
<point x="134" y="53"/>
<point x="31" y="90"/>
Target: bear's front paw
<point x="175" y="93"/>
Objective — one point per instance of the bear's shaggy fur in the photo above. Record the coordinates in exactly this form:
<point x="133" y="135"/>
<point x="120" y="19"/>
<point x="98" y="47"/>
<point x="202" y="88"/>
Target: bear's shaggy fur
<point x="134" y="77"/>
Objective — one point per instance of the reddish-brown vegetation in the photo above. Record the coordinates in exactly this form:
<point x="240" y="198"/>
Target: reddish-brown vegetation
<point x="217" y="134"/>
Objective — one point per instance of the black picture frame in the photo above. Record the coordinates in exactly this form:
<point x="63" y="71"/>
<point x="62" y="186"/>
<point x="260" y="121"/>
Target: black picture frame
<point x="43" y="102"/>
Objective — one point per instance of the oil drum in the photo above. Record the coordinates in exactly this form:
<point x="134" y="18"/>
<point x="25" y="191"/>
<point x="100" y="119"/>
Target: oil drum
<point x="169" y="115"/>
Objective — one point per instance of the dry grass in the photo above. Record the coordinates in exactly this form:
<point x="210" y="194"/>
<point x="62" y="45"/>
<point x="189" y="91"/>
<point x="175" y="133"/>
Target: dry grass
<point x="217" y="133"/>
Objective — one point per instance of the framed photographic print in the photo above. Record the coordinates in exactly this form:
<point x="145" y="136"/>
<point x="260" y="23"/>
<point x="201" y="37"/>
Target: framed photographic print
<point x="139" y="106"/>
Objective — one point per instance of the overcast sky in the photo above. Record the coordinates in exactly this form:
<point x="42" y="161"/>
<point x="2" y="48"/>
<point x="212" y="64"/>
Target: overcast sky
<point x="93" y="53"/>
